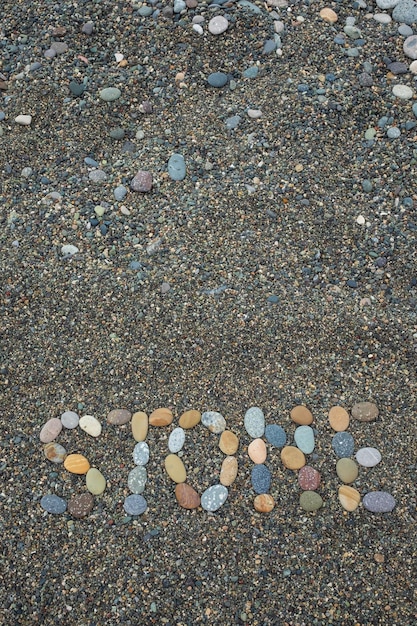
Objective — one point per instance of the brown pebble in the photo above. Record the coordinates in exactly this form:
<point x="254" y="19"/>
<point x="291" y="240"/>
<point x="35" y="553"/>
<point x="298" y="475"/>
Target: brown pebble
<point x="257" y="451"/>
<point x="3" y="85"/>
<point x="379" y="558"/>
<point x="189" y="419"/>
<point x="142" y="182"/>
<point x="55" y="452"/>
<point x="339" y="418"/>
<point x="59" y="31"/>
<point x="365" y="411"/>
<point x="328" y="15"/>
<point x="119" y="417"/>
<point x="264" y="503"/>
<point x="80" y="506"/>
<point x="229" y="442"/>
<point x="309" y="478"/>
<point x="161" y="417"/>
<point x="140" y="424"/>
<point x="301" y="415"/>
<point x="228" y="471"/>
<point x="187" y="497"/>
<point x="76" y="464"/>
<point x="292" y="458"/>
<point x="349" y="498"/>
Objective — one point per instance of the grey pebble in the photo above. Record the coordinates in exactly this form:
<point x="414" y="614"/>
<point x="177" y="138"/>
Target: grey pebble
<point x="70" y="419"/>
<point x="343" y="444"/>
<point x="254" y="422"/>
<point x="214" y="497"/>
<point x="97" y="176"/>
<point x="141" y="453"/>
<point x="135" y="504"/>
<point x="176" y="440"/>
<point x="233" y="122"/>
<point x="176" y="167"/>
<point x="379" y="502"/>
<point x="53" y="504"/>
<point x="405" y="11"/>
<point x="275" y="435"/>
<point x="137" y="478"/>
<point x="217" y="79"/>
<point x="120" y="193"/>
<point x="261" y="479"/>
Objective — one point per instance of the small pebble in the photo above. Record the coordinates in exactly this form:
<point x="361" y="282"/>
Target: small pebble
<point x="139" y="426"/>
<point x="365" y="411"/>
<point x="264" y="503"/>
<point x="301" y="415"/>
<point x="161" y="417"/>
<point x="218" y="25"/>
<point x="304" y="439"/>
<point x="176" y="167"/>
<point x="186" y="496"/>
<point x="23" y="120"/>
<point x="404" y="92"/>
<point x="70" y="419"/>
<point x="136" y="479"/>
<point x="368" y="457"/>
<point x="95" y="481"/>
<point x="228" y="472"/>
<point x="90" y="425"/>
<point x="343" y="444"/>
<point x="141" y="453"/>
<point x="217" y="79"/>
<point x="176" y="440"/>
<point x="50" y="430"/>
<point x="109" y="94"/>
<point x="310" y="501"/>
<point x="254" y="422"/>
<point x="228" y="442"/>
<point x="53" y="504"/>
<point x="292" y="458"/>
<point x="309" y="478"/>
<point x="76" y="464"/>
<point x="135" y="504"/>
<point x="347" y="470"/>
<point x="119" y="417"/>
<point x="349" y="498"/>
<point x="175" y="469"/>
<point x="54" y="452"/>
<point x="142" y="181"/>
<point x="257" y="451"/>
<point x="189" y="419"/>
<point x="339" y="418"/>
<point x="214" y="421"/>
<point x="214" y="497"/>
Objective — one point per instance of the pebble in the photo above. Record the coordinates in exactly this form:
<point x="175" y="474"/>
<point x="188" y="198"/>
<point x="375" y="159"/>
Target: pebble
<point x="97" y="176"/>
<point x="76" y="464"/>
<point x="87" y="28"/>
<point x="328" y="15"/>
<point x="135" y="504"/>
<point x="254" y="114"/>
<point x="119" y="417"/>
<point x="95" y="481"/>
<point x="70" y="419"/>
<point x="254" y="422"/>
<point x="292" y="458"/>
<point x="382" y="18"/>
<point x="179" y="5"/>
<point x="139" y="426"/>
<point x="301" y="415"/>
<point x="176" y="167"/>
<point x="54" y="452"/>
<point x="53" y="504"/>
<point x="347" y="470"/>
<point x="23" y="120"/>
<point x="50" y="430"/>
<point x="69" y="250"/>
<point x="233" y="122"/>
<point x="229" y="442"/>
<point x="275" y="435"/>
<point x="90" y="425"/>
<point x="309" y="478"/>
<point x="81" y="505"/>
<point x="217" y="79"/>
<point x="176" y="440"/>
<point x="141" y="453"/>
<point x="410" y="47"/>
<point x="368" y="457"/>
<point x="386" y="4"/>
<point x="379" y="502"/>
<point x="109" y="94"/>
<point x="218" y="25"/>
<point x="413" y="67"/>
<point x="120" y="193"/>
<point x="228" y="471"/>
<point x="214" y="497"/>
<point x="365" y="411"/>
<point x="186" y="496"/>
<point x="175" y="468"/>
<point x="257" y="451"/>
<point x="339" y="418"/>
<point x="349" y="498"/>
<point x="405" y="30"/>
<point x="189" y="419"/>
<point x="261" y="479"/>
<point x="142" y="181"/>
<point x="404" y="92"/>
<point x="343" y="444"/>
<point x="264" y="503"/>
<point x="304" y="439"/>
<point x="311" y="501"/>
<point x="137" y="478"/>
<point x="214" y="421"/>
<point x="405" y="11"/>
<point x="59" y="46"/>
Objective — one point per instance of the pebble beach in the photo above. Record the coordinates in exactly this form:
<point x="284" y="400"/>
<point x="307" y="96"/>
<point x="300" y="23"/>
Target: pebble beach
<point x="208" y="312"/>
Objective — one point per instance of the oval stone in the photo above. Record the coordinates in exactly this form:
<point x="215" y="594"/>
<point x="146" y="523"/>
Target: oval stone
<point x="90" y="425"/>
<point x="309" y="478"/>
<point x="140" y="423"/>
<point x="218" y="25"/>
<point x="228" y="471"/>
<point x="339" y="418"/>
<point x="311" y="501"/>
<point x="257" y="451"/>
<point x="119" y="417"/>
<point x="161" y="417"/>
<point x="189" y="419"/>
<point x="304" y="439"/>
<point x="301" y="415"/>
<point x="275" y="435"/>
<point x="141" y="453"/>
<point x="214" y="421"/>
<point x="254" y="422"/>
<point x="214" y="497"/>
<point x="347" y="470"/>
<point x="365" y="411"/>
<point x="137" y="478"/>
<point x="53" y="504"/>
<point x="81" y="505"/>
<point x="349" y="498"/>
<point x="292" y="458"/>
<point x="50" y="430"/>
<point x="76" y="464"/>
<point x="379" y="502"/>
<point x="55" y="452"/>
<point x="328" y="15"/>
<point x="368" y="457"/>
<point x="70" y="419"/>
<point x="142" y="181"/>
<point x="176" y="167"/>
<point x="176" y="440"/>
<point x="261" y="479"/>
<point x="229" y="442"/>
<point x="95" y="481"/>
<point x="109" y="94"/>
<point x="135" y="504"/>
<point x="264" y="503"/>
<point x="186" y="496"/>
<point x="343" y="444"/>
<point x="175" y="468"/>
<point x="217" y="79"/>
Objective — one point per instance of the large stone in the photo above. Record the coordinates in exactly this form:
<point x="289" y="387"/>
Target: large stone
<point x="405" y="12"/>
<point x="328" y="15"/>
<point x="136" y="480"/>
<point x="161" y="417"/>
<point x="50" y="430"/>
<point x="214" y="421"/>
<point x="349" y="498"/>
<point x="53" y="504"/>
<point x="304" y="439"/>
<point x="292" y="458"/>
<point x="379" y="502"/>
<point x="189" y="419"/>
<point x="275" y="435"/>
<point x="257" y="451"/>
<point x="90" y="425"/>
<point x="301" y="415"/>
<point x="347" y="470"/>
<point x="254" y="422"/>
<point x="142" y="181"/>
<point x="70" y="419"/>
<point x="55" y="452"/>
<point x="339" y="418"/>
<point x="365" y="411"/>
<point x="187" y="497"/>
<point x="141" y="453"/>
<point x="261" y="479"/>
<point x="76" y="464"/>
<point x="176" y="440"/>
<point x="214" y="497"/>
<point x="81" y="505"/>
<point x="309" y="478"/>
<point x="310" y="501"/>
<point x="228" y="471"/>
<point x="175" y="468"/>
<point x="140" y="423"/>
<point x="119" y="417"/>
<point x="264" y="503"/>
<point x="229" y="442"/>
<point x="368" y="457"/>
<point x="135" y="504"/>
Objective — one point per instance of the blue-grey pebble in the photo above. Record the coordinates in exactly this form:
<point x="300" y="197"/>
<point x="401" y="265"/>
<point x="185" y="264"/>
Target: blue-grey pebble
<point x="275" y="435"/>
<point x="261" y="479"/>
<point x="145" y="11"/>
<point x="109" y="94"/>
<point x="269" y="46"/>
<point x="304" y="439"/>
<point x="217" y="79"/>
<point x="90" y="162"/>
<point x="120" y="193"/>
<point x="379" y="502"/>
<point x="414" y="108"/>
<point x="135" y="504"/>
<point x="53" y="504"/>
<point x="405" y="30"/>
<point x="343" y="444"/>
<point x="179" y="5"/>
<point x="254" y="422"/>
<point x="141" y="453"/>
<point x="251" y="72"/>
<point x="136" y="480"/>
<point x="233" y="122"/>
<point x="214" y="497"/>
<point x="393" y="132"/>
<point x="176" y="167"/>
<point x="405" y="12"/>
<point x="250" y="6"/>
<point x="2" y="116"/>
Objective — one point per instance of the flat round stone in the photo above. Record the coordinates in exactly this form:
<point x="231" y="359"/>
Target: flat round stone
<point x="365" y="411"/>
<point x="80" y="506"/>
<point x="404" y="92"/>
<point x="339" y="418"/>
<point x="214" y="497"/>
<point x="109" y="94"/>
<point x="292" y="458"/>
<point x="311" y="501"/>
<point x="161" y="417"/>
<point x="347" y="470"/>
<point x="141" y="453"/>
<point x="254" y="422"/>
<point x="176" y="440"/>
<point x="218" y="25"/>
<point x="176" y="167"/>
<point x="23" y="120"/>
<point x="349" y="498"/>
<point x="140" y="423"/>
<point x="119" y="417"/>
<point x="343" y="444"/>
<point x="261" y="479"/>
<point x="135" y="504"/>
<point x="54" y="452"/>
<point x="304" y="439"/>
<point x="214" y="421"/>
<point x="229" y="442"/>
<point x="328" y="15"/>
<point x="70" y="419"/>
<point x="368" y="457"/>
<point x="275" y="435"/>
<point x="186" y="496"/>
<point x="301" y="415"/>
<point x="257" y="451"/>
<point x="217" y="79"/>
<point x="175" y="468"/>
<point x="228" y="471"/>
<point x="53" y="504"/>
<point x="264" y="503"/>
<point x="137" y="478"/>
<point x="90" y="425"/>
<point x="50" y="430"/>
<point x="379" y="502"/>
<point x="189" y="419"/>
<point x="76" y="464"/>
<point x="309" y="478"/>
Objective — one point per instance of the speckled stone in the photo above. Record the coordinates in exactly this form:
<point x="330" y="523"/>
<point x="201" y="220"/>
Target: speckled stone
<point x="347" y="470"/>
<point x="254" y="422"/>
<point x="214" y="497"/>
<point x="175" y="468"/>
<point x="310" y="501"/>
<point x="141" y="453"/>
<point x="218" y="25"/>
<point x="136" y="480"/>
<point x="261" y="479"/>
<point x="292" y="458"/>
<point x="275" y="435"/>
<point x="301" y="415"/>
<point x="228" y="471"/>
<point x="189" y="419"/>
<point x="119" y="417"/>
<point x="90" y="425"/>
<point x="365" y="411"/>
<point x="309" y="478"/>
<point x="50" y="430"/>
<point x="186" y="496"/>
<point x="81" y="505"/>
<point x="343" y="444"/>
<point x="161" y="417"/>
<point x="379" y="502"/>
<point x="339" y="418"/>
<point x="140" y="424"/>
<point x="176" y="440"/>
<point x="368" y="457"/>
<point x="142" y="182"/>
<point x="76" y="464"/>
<point x="264" y="503"/>
<point x="349" y="498"/>
<point x="257" y="451"/>
<point x="53" y="504"/>
<point x="229" y="442"/>
<point x="70" y="420"/>
<point x="54" y="452"/>
<point x="304" y="439"/>
<point x="214" y="421"/>
<point x="135" y="504"/>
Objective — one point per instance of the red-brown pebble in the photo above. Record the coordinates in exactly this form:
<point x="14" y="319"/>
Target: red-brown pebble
<point x="309" y="478"/>
<point x="187" y="497"/>
<point x="80" y="506"/>
<point x="264" y="503"/>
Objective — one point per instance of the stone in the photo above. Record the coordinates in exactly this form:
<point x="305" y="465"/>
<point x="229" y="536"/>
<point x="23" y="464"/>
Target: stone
<point x="137" y="478"/>
<point x="109" y="94"/>
<point x="275" y="435"/>
<point x="176" y="440"/>
<point x="229" y="442"/>
<point x="292" y="458"/>
<point x="257" y="451"/>
<point x="23" y="120"/>
<point x="261" y="479"/>
<point x="140" y="423"/>
<point x="339" y="418"/>
<point x="135" y="504"/>
<point x="217" y="79"/>
<point x="304" y="439"/>
<point x="70" y="419"/>
<point x="68" y="250"/>
<point x="379" y="502"/>
<point x="309" y="478"/>
<point x="328" y="15"/>
<point x="343" y="444"/>
<point x="301" y="415"/>
<point x="311" y="501"/>
<point x="264" y="503"/>
<point x="410" y="47"/>
<point x="349" y="498"/>
<point x="142" y="181"/>
<point x="76" y="464"/>
<point x="386" y="4"/>
<point x="141" y="453"/>
<point x="55" y="452"/>
<point x="404" y="92"/>
<point x="95" y="481"/>
<point x="176" y="167"/>
<point x="189" y="419"/>
<point x="413" y="67"/>
<point x="405" y="12"/>
<point x="53" y="504"/>
<point x="365" y="411"/>
<point x="81" y="505"/>
<point x="90" y="425"/>
<point x="161" y="417"/>
<point x="228" y="471"/>
<point x="214" y="421"/>
<point x="119" y="417"/>
<point x="186" y="496"/>
<point x="368" y="457"/>
<point x="218" y="25"/>
<point x="175" y="468"/>
<point x="347" y="470"/>
<point x="50" y="430"/>
<point x="214" y="497"/>
<point x="254" y="422"/>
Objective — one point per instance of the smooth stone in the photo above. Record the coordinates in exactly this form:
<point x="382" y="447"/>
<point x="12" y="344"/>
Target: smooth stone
<point x="301" y="415"/>
<point x="90" y="425"/>
<point x="339" y="418"/>
<point x="343" y="444"/>
<point x="382" y="18"/>
<point x="229" y="442"/>
<point x="76" y="464"/>
<point x="261" y="479"/>
<point x="304" y="439"/>
<point x="214" y="497"/>
<point x="176" y="440"/>
<point x="53" y="504"/>
<point x="353" y="32"/>
<point x="70" y="419"/>
<point x="364" y="411"/>
<point x="120" y="193"/>
<point x="217" y="79"/>
<point x="119" y="417"/>
<point x="54" y="452"/>
<point x="254" y="114"/>
<point x="347" y="470"/>
<point x="69" y="250"/>
<point x="404" y="92"/>
<point x="175" y="468"/>
<point x="140" y="423"/>
<point x="311" y="501"/>
<point x="161" y="417"/>
<point x="349" y="498"/>
<point x="413" y="70"/>
<point x="406" y="12"/>
<point x="264" y="503"/>
<point x="76" y="88"/>
<point x="275" y="435"/>
<point x="137" y="478"/>
<point x="142" y="181"/>
<point x="186" y="496"/>
<point x="141" y="453"/>
<point x="214" y="421"/>
<point x="135" y="504"/>
<point x="254" y="422"/>
<point x="23" y="120"/>
<point x="405" y="30"/>
<point x="410" y="47"/>
<point x="379" y="502"/>
<point x="228" y="471"/>
<point x="328" y="15"/>
<point x="368" y="457"/>
<point x="218" y="25"/>
<point x="386" y="4"/>
<point x="95" y="481"/>
<point x="309" y="478"/>
<point x="176" y="167"/>
<point x="109" y="94"/>
<point x="97" y="176"/>
<point x="50" y="430"/>
<point x="189" y="419"/>
<point x="292" y="458"/>
<point x="80" y="506"/>
<point x="233" y="122"/>
<point x="257" y="451"/>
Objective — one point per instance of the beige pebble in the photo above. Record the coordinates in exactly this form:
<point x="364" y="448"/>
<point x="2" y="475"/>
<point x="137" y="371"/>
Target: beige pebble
<point x="76" y="464"/>
<point x="365" y="411"/>
<point x="161" y="417"/>
<point x="292" y="458"/>
<point x="95" y="481"/>
<point x="189" y="419"/>
<point x="301" y="415"/>
<point x="347" y="470"/>
<point x="140" y="423"/>
<point x="339" y="418"/>
<point x="228" y="471"/>
<point x="257" y="451"/>
<point x="264" y="503"/>
<point x="90" y="425"/>
<point x="328" y="15"/>
<point x="175" y="468"/>
<point x="228" y="442"/>
<point x="349" y="498"/>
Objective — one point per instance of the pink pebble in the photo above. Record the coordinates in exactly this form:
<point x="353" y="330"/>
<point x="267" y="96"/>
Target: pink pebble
<point x="50" y="430"/>
<point x="309" y="478"/>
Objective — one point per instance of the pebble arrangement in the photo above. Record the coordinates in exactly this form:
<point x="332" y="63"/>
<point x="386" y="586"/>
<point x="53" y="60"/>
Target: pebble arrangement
<point x="293" y="457"/>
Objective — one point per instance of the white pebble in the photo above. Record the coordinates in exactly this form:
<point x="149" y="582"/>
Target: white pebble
<point x="382" y="18"/>
<point x="69" y="250"/>
<point x="360" y="220"/>
<point x="119" y="57"/>
<point x="404" y="92"/>
<point x="198" y="29"/>
<point x="279" y="26"/>
<point x="254" y="114"/>
<point x="23" y="120"/>
<point x="90" y="425"/>
<point x="413" y="67"/>
<point x="217" y="25"/>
